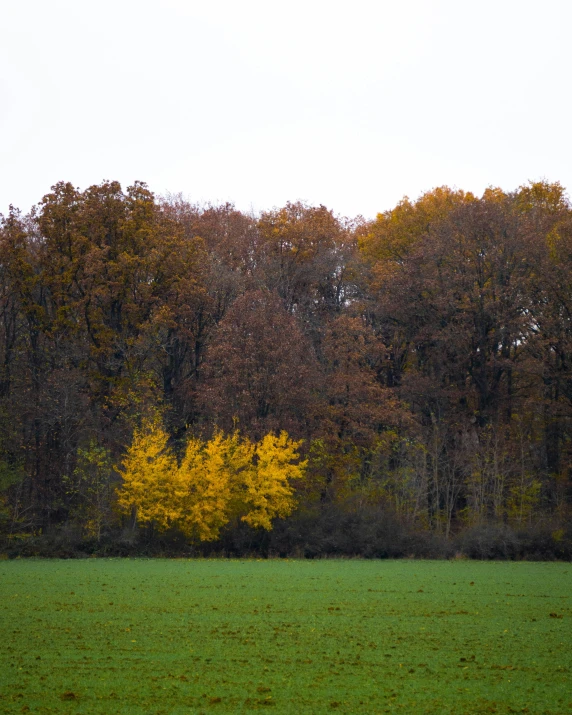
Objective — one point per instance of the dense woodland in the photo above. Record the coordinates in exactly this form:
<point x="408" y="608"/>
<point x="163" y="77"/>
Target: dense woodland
<point x="420" y="364"/>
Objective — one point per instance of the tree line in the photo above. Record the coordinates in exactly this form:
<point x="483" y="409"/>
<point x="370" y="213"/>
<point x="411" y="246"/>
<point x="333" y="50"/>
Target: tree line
<point x="421" y="364"/>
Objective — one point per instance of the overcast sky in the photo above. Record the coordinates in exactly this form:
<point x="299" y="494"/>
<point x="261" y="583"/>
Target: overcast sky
<point x="351" y="104"/>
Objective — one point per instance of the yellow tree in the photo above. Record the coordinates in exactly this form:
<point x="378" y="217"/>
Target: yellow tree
<point x="268" y="492"/>
<point x="211" y="473"/>
<point x="151" y="486"/>
<point x="223" y="479"/>
<point x="395" y="233"/>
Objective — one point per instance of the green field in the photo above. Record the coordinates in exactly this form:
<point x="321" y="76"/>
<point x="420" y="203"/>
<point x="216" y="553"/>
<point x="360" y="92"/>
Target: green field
<point x="191" y="636"/>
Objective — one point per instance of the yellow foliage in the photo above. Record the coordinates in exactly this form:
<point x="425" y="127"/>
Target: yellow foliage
<point x="268" y="491"/>
<point x="550" y="198"/>
<point x="394" y="233"/>
<point x="210" y="473"/>
<point x="150" y="478"/>
<point x="523" y="498"/>
<point x="217" y="481"/>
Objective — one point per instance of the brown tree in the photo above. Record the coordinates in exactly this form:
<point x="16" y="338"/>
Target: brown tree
<point x="260" y="370"/>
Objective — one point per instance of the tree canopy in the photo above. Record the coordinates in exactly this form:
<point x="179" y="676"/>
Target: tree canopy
<point x="299" y="362"/>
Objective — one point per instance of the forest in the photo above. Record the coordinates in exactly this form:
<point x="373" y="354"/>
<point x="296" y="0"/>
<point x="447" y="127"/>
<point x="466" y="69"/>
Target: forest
<point x="193" y="379"/>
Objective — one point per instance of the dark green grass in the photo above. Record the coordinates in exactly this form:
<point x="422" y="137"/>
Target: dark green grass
<point x="182" y="636"/>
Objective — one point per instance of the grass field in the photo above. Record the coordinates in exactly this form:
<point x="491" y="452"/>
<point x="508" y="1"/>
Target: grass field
<point x="184" y="636"/>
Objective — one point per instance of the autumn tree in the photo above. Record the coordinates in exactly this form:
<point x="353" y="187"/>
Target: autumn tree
<point x="268" y="487"/>
<point x="362" y="418"/>
<point x="221" y="245"/>
<point x="229" y="478"/>
<point x="90" y="489"/>
<point x="454" y="290"/>
<point x="150" y="491"/>
<point x="218" y="481"/>
<point x="211" y="474"/>
<point x="548" y="216"/>
<point x="260" y="369"/>
<point x="306" y="258"/>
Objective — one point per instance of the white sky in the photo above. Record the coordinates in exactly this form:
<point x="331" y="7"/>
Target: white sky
<point x="351" y="104"/>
